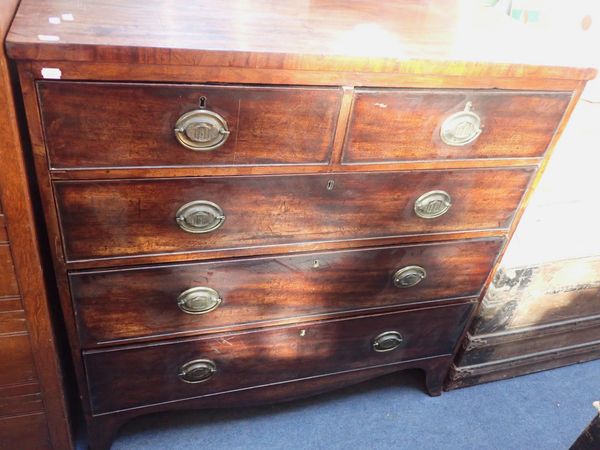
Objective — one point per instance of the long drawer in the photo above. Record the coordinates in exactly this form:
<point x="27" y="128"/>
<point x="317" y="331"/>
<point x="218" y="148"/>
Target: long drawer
<point x="135" y="125"/>
<point x="103" y="219"/>
<point x="122" y="304"/>
<point x="136" y="376"/>
<point x="390" y="125"/>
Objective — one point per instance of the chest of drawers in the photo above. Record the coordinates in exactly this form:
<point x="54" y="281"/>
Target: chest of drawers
<point x="256" y="201"/>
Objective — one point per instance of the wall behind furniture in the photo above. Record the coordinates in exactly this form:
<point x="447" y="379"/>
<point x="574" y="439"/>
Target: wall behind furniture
<point x="543" y="307"/>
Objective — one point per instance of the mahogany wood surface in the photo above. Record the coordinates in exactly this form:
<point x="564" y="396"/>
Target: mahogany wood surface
<point x="136" y="217"/>
<point x="118" y="305"/>
<point x="404" y="125"/>
<point x="35" y="418"/>
<point x="3" y="235"/>
<point x="103" y="428"/>
<point x="13" y="316"/>
<point x="264" y="357"/>
<point x="128" y="125"/>
<point x="8" y="279"/>
<point x="30" y="431"/>
<point x="446" y="38"/>
<point x="110" y="200"/>
<point x="17" y="358"/>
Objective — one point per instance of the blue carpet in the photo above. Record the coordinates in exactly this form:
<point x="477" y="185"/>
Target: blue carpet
<point x="542" y="411"/>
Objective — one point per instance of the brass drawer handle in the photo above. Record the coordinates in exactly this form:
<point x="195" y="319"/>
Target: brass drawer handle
<point x="461" y="128"/>
<point x="199" y="300"/>
<point x="197" y="371"/>
<point x="433" y="204"/>
<point x="201" y="130"/>
<point x="387" y="341"/>
<point x="409" y="276"/>
<point x="199" y="216"/>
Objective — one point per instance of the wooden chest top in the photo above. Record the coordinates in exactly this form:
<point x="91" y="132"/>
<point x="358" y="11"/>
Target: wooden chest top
<point x="445" y="38"/>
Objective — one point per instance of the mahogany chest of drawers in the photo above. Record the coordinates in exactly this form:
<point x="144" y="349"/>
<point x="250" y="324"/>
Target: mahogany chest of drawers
<point x="257" y="201"/>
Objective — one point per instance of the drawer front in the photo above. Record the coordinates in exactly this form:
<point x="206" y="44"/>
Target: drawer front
<point x="414" y="125"/>
<point x="132" y="125"/>
<point x="136" y="217"/>
<point x="152" y="301"/>
<point x="136" y="376"/>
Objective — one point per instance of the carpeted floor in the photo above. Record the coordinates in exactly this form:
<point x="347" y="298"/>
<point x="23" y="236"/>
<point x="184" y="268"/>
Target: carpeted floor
<point x="544" y="411"/>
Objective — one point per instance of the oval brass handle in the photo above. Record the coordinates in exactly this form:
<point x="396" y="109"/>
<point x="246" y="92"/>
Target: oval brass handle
<point x="433" y="204"/>
<point x="199" y="216"/>
<point x="387" y="341"/>
<point x="409" y="276"/>
<point x="198" y="300"/>
<point x="461" y="128"/>
<point x="201" y="130"/>
<point x="197" y="371"/>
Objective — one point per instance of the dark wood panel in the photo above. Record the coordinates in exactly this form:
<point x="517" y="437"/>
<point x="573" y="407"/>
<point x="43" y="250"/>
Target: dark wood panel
<point x="125" y="125"/>
<point x="8" y="280"/>
<point x="12" y="321"/>
<point x="17" y="359"/>
<point x="22" y="404"/>
<point x="135" y="217"/>
<point x="10" y="304"/>
<point x="142" y="302"/>
<point x="3" y="235"/>
<point x="28" y="432"/>
<point x="16" y="390"/>
<point x="508" y="368"/>
<point x="120" y="379"/>
<point x="404" y="125"/>
<point x="102" y="429"/>
<point x="529" y="341"/>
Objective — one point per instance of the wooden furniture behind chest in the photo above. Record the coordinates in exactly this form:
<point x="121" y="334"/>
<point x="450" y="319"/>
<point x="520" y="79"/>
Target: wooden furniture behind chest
<point x="254" y="202"/>
<point x="33" y="413"/>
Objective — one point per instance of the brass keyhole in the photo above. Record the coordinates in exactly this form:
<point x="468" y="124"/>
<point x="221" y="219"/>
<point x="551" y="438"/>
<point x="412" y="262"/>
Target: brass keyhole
<point x="202" y="102"/>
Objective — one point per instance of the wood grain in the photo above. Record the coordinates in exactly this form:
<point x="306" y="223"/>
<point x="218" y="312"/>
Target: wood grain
<point x="404" y="125"/>
<point x="17" y="359"/>
<point x="131" y="125"/>
<point x="8" y="279"/>
<point x="103" y="428"/>
<point x="95" y="71"/>
<point x="356" y="36"/>
<point x="137" y="217"/>
<point x="265" y="357"/>
<point x="30" y="431"/>
<point x="118" y="305"/>
<point x="32" y="355"/>
<point x="119" y="215"/>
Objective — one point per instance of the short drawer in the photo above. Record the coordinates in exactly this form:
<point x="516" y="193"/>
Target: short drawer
<point x="103" y="219"/>
<point x="113" y="305"/>
<point x="168" y="371"/>
<point x="133" y="125"/>
<point x="390" y="125"/>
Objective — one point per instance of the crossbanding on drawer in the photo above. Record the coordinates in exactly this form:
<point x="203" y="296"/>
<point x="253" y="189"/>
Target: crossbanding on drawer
<point x="151" y="125"/>
<point x="124" y="304"/>
<point x="394" y="125"/>
<point x="103" y="219"/>
<point x="136" y="376"/>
